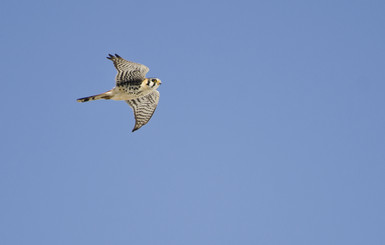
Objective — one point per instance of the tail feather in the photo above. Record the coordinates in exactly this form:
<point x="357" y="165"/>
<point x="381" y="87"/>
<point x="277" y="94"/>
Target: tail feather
<point x="106" y="96"/>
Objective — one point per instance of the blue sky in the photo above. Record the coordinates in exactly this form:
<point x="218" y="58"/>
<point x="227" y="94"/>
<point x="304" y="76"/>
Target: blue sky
<point x="270" y="126"/>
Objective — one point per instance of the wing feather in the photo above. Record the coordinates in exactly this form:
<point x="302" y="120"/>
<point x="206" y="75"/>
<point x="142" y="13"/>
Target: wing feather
<point x="144" y="107"/>
<point x="128" y="71"/>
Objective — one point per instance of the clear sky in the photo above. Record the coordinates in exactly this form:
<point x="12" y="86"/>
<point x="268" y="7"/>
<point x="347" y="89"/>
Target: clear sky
<point x="270" y="127"/>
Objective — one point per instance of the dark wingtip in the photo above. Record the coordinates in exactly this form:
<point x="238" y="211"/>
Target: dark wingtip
<point x="113" y="56"/>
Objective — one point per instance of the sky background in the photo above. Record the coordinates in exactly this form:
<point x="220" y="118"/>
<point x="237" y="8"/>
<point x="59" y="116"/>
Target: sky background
<point x="270" y="127"/>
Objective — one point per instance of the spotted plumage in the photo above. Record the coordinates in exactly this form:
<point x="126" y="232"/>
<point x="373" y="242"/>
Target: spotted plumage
<point x="133" y="87"/>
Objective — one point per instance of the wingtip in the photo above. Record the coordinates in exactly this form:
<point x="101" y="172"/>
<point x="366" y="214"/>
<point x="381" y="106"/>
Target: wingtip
<point x="136" y="128"/>
<point x="110" y="56"/>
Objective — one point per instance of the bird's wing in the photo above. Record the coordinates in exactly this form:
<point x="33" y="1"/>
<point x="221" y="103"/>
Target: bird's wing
<point x="128" y="71"/>
<point x="144" y="107"/>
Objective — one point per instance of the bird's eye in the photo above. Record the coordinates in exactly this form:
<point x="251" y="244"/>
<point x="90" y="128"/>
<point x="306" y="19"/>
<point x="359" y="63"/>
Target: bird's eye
<point x="153" y="80"/>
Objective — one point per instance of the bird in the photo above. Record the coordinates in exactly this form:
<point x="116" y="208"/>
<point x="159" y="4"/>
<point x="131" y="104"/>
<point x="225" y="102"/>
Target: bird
<point x="132" y="86"/>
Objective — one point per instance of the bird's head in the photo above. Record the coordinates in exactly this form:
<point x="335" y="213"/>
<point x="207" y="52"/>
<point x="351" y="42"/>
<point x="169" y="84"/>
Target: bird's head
<point x="153" y="82"/>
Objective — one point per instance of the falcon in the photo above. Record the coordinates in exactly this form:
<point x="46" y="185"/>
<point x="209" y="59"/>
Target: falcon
<point x="133" y="87"/>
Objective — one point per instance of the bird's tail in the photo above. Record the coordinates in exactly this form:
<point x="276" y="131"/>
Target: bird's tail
<point x="107" y="95"/>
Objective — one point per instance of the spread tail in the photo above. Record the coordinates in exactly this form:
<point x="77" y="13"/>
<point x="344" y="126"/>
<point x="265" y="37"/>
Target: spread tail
<point x="106" y="96"/>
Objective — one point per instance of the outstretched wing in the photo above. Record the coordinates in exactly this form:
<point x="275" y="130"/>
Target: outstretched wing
<point x="144" y="107"/>
<point x="128" y="71"/>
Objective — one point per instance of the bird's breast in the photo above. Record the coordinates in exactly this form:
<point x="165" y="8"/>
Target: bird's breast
<point x="129" y="92"/>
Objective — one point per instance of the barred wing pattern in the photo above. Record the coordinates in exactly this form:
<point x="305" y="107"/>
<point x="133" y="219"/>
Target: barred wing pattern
<point x="144" y="107"/>
<point x="128" y="71"/>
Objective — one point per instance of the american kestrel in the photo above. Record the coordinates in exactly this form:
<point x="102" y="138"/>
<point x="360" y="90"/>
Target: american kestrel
<point x="133" y="87"/>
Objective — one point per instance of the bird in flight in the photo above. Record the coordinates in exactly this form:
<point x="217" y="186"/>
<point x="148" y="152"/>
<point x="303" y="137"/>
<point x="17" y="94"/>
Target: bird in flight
<point x="133" y="87"/>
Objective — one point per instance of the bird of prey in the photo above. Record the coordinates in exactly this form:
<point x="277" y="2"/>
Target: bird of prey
<point x="133" y="87"/>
